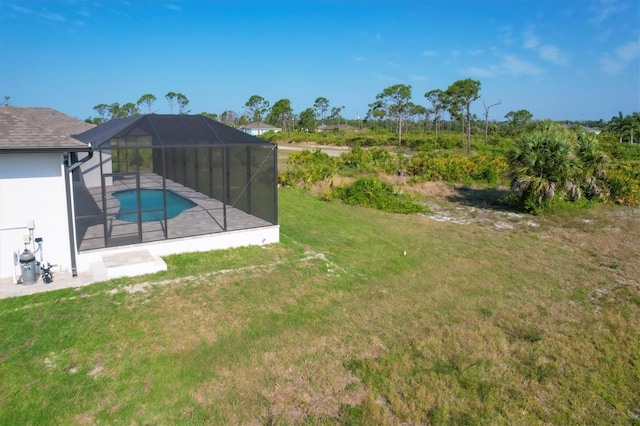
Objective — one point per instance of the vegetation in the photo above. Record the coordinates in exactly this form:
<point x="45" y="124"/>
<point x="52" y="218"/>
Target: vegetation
<point x="460" y="95"/>
<point x="551" y="160"/>
<point x="372" y="192"/>
<point x="357" y="317"/>
<point x="394" y="101"/>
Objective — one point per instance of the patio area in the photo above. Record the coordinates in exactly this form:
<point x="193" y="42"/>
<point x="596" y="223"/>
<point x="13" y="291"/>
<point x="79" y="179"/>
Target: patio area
<point x="207" y="217"/>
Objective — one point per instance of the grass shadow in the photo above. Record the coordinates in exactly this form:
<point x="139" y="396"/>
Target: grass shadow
<point x="497" y="199"/>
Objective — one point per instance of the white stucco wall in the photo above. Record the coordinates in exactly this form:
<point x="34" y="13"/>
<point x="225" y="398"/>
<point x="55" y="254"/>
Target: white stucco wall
<point x="91" y="169"/>
<point x="32" y="186"/>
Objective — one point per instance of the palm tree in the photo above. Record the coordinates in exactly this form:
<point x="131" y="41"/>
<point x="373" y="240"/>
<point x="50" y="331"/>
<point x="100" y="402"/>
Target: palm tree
<point x="542" y="163"/>
<point x="625" y="126"/>
<point x="616" y="125"/>
<point x="632" y="125"/>
<point x="593" y="164"/>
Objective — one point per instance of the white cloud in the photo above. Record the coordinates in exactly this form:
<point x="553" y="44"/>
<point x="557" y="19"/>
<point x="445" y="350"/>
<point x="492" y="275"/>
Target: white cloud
<point x="510" y="65"/>
<point x="50" y="16"/>
<point x="531" y="41"/>
<point x="622" y="56"/>
<point x="476" y="52"/>
<point x="515" y="66"/>
<point x="454" y="52"/>
<point x="21" y="9"/>
<point x="548" y="52"/>
<point x="552" y="53"/>
<point x="506" y="34"/>
<point x="604" y="9"/>
<point x="429" y="53"/>
<point x="417" y="77"/>
<point x="477" y="72"/>
<point x="628" y="51"/>
<point x="610" y="66"/>
<point x="358" y="58"/>
<point x="386" y="77"/>
<point x="174" y="7"/>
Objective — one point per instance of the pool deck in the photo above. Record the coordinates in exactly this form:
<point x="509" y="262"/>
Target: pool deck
<point x="207" y="217"/>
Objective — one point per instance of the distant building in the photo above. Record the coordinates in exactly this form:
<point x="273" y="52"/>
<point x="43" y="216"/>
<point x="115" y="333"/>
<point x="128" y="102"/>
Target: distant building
<point x="257" y="129"/>
<point x="585" y="128"/>
<point x="335" y="127"/>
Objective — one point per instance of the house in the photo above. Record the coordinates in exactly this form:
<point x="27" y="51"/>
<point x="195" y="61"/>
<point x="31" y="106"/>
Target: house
<point x="36" y="154"/>
<point x="257" y="129"/>
<point x="584" y="128"/>
<point x="138" y="187"/>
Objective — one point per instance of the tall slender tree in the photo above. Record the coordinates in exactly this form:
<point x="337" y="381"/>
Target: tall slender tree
<point x="486" y="118"/>
<point x="147" y="100"/>
<point x="518" y="120"/>
<point x="182" y="103"/>
<point x="128" y="110"/>
<point x="396" y="101"/>
<point x="257" y="107"/>
<point x="103" y="113"/>
<point x="281" y="114"/>
<point x="171" y="98"/>
<point x="465" y="92"/>
<point x="307" y="120"/>
<point x="321" y="106"/>
<point x="335" y="114"/>
<point x="437" y="99"/>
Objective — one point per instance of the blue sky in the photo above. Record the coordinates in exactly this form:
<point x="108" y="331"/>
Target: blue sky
<point x="559" y="59"/>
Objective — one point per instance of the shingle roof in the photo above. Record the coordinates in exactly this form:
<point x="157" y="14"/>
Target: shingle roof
<point x="260" y="125"/>
<point x="39" y="129"/>
<point x="169" y="131"/>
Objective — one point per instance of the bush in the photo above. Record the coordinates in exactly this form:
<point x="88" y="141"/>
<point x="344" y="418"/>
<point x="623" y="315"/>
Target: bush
<point x="306" y="168"/>
<point x="371" y="160"/>
<point x="619" y="151"/>
<point x="456" y="168"/>
<point x="372" y="192"/>
<point x="623" y="181"/>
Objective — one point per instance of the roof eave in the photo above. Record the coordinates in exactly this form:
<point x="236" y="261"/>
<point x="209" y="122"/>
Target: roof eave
<point x="41" y="149"/>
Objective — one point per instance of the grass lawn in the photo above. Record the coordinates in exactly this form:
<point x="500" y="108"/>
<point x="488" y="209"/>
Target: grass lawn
<point x="356" y="317"/>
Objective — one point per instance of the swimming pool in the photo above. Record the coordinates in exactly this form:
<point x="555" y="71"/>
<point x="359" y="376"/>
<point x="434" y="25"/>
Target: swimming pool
<point x="152" y="205"/>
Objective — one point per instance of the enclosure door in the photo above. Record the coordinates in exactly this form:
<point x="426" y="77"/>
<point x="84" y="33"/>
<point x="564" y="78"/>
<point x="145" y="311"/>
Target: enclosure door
<point x="119" y="232"/>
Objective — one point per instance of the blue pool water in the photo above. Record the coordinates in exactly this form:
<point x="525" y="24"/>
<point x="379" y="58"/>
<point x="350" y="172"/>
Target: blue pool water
<point x="151" y="199"/>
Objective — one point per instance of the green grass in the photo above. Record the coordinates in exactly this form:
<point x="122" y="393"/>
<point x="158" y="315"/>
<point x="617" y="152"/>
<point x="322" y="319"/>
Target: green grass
<point x="356" y="317"/>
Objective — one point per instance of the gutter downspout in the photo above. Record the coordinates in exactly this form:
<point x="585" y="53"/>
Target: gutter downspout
<point x="70" y="219"/>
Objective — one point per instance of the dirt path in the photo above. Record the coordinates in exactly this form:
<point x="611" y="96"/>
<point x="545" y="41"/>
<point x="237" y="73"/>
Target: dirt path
<point x="330" y="150"/>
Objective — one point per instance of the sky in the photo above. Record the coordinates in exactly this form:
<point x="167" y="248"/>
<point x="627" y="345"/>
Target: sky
<point x="558" y="59"/>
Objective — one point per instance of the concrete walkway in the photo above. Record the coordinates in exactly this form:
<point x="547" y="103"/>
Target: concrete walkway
<point x="110" y="266"/>
<point x="60" y="280"/>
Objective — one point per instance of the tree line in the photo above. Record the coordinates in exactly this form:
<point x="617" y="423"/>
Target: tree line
<point x="106" y="112"/>
<point x="393" y="106"/>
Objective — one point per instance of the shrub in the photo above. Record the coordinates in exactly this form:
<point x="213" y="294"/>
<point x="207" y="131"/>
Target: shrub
<point x="371" y="160"/>
<point x="372" y="192"/>
<point x="623" y="181"/>
<point x="456" y="168"/>
<point x="306" y="168"/>
<point x="551" y="161"/>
